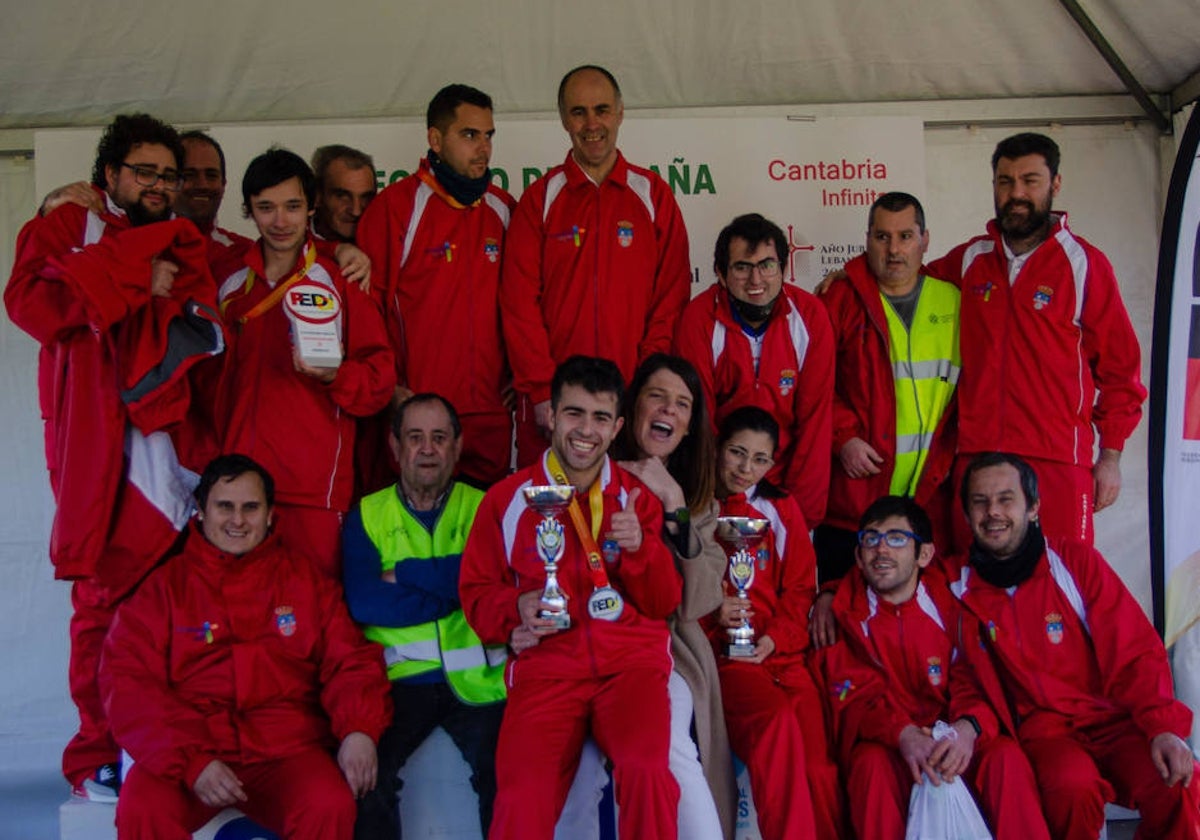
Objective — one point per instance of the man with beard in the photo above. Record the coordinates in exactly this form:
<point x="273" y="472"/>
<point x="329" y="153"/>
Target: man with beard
<point x="436" y="240"/>
<point x="1049" y="356"/>
<point x="109" y="293"/>
<point x="597" y="258"/>
<point x="756" y="340"/>
<point x="1068" y="659"/>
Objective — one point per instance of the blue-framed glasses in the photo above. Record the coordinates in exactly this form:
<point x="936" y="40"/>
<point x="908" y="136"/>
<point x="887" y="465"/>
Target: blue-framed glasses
<point x="894" y="538"/>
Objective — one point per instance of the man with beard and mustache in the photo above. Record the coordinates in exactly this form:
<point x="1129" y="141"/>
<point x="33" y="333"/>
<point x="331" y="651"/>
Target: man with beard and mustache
<point x="436" y="239"/>
<point x="1050" y="360"/>
<point x="1067" y="658"/>
<point x="109" y="293"/>
<point x="597" y="258"/>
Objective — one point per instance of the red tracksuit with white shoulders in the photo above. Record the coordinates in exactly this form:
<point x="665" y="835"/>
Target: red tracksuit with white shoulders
<point x="1048" y="355"/>
<point x="773" y="710"/>
<point x="1086" y="681"/>
<point x="606" y="679"/>
<point x="252" y="660"/>
<point x="595" y="269"/>
<point x="115" y="406"/>
<point x="793" y="381"/>
<point x="899" y="665"/>
<point x="437" y="264"/>
<point x="299" y="429"/>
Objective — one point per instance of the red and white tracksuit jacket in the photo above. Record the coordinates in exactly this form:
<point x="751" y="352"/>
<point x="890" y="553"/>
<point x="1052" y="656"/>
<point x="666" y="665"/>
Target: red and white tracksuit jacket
<point x="608" y="678"/>
<point x="1047" y="354"/>
<point x="437" y="264"/>
<point x="900" y="665"/>
<point x="300" y="430"/>
<point x="240" y="658"/>
<point x="601" y="270"/>
<point x="864" y="400"/>
<point x="793" y="381"/>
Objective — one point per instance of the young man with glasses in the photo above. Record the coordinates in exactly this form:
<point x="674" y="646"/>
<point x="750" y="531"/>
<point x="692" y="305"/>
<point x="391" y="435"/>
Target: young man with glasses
<point x="897" y="671"/>
<point x="97" y="288"/>
<point x="756" y="340"/>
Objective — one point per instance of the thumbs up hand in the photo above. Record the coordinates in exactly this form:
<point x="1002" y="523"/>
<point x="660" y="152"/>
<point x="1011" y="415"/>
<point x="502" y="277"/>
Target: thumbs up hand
<point x="625" y="528"/>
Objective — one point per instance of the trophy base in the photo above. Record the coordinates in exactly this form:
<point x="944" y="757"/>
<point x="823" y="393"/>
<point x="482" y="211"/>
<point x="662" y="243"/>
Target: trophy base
<point x="562" y="620"/>
<point x="739" y="650"/>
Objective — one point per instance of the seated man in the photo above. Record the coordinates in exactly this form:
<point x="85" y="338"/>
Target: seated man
<point x="897" y="671"/>
<point x="605" y="674"/>
<point x="1075" y="661"/>
<point x="402" y="547"/>
<point x="232" y="675"/>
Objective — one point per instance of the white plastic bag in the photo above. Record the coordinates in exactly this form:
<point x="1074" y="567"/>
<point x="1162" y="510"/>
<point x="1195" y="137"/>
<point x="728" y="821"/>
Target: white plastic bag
<point x="946" y="811"/>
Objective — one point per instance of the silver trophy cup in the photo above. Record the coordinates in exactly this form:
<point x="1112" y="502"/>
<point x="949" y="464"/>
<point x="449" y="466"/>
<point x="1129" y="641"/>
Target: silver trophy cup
<point x="550" y="500"/>
<point x="740" y="534"/>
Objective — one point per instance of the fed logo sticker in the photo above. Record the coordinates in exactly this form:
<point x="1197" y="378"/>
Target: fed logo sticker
<point x="285" y="621"/>
<point x="312" y="303"/>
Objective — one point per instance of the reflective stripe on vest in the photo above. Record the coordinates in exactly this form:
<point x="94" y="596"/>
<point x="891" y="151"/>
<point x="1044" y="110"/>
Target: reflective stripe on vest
<point x="925" y="368"/>
<point x="474" y="672"/>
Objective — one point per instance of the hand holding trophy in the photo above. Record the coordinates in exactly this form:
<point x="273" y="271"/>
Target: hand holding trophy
<point x="740" y="534"/>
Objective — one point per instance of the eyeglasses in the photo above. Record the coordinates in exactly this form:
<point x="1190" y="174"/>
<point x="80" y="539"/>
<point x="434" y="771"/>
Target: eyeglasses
<point x="742" y="456"/>
<point x="766" y="268"/>
<point x="148" y="176"/>
<point x="895" y="538"/>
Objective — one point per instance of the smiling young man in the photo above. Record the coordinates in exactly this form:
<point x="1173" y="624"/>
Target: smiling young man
<point x="756" y="340"/>
<point x="1068" y="658"/>
<point x="897" y="671"/>
<point x="1050" y="358"/>
<point x="234" y="674"/>
<point x="597" y="258"/>
<point x="297" y="417"/>
<point x="402" y="548"/>
<point x="437" y="241"/>
<point x="606" y="674"/>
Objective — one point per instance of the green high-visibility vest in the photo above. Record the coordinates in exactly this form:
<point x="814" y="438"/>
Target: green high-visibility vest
<point x="474" y="671"/>
<point x="925" y="367"/>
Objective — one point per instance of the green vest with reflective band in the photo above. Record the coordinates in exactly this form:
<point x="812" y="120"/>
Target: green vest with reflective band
<point x="925" y="365"/>
<point x="474" y="672"/>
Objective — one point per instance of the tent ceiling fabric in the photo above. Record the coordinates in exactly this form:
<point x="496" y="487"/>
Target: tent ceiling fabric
<point x="69" y="63"/>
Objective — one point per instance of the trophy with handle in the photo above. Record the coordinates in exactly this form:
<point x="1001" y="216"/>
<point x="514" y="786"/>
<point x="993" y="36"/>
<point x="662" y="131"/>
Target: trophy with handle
<point x="740" y="534"/>
<point x="550" y="500"/>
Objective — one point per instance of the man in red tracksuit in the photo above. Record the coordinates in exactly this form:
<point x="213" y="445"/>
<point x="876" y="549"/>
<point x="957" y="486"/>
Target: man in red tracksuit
<point x="436" y="241"/>
<point x="756" y="340"/>
<point x="597" y="258"/>
<point x="606" y="674"/>
<point x="1049" y="356"/>
<point x="1063" y="649"/>
<point x="234" y="673"/>
<point x="897" y="671"/>
<point x="103" y="292"/>
<point x="297" y="418"/>
<point x="200" y="195"/>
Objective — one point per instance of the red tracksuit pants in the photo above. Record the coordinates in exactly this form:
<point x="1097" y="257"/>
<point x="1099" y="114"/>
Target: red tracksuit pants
<point x="301" y="797"/>
<point x="545" y="724"/>
<point x="776" y="725"/>
<point x="1078" y="774"/>
<point x="880" y="783"/>
<point x="93" y="745"/>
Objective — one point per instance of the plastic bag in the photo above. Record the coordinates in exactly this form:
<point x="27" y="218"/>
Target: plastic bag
<point x="946" y="811"/>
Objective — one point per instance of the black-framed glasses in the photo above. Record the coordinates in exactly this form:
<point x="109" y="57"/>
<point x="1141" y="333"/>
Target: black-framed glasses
<point x="766" y="268"/>
<point x="148" y="176"/>
<point x="894" y="538"/>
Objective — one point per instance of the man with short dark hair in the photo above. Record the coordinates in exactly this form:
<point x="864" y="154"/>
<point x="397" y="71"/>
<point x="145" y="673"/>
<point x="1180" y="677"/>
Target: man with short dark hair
<point x="234" y="672"/>
<point x="402" y="547"/>
<point x="437" y="241"/>
<point x="345" y="187"/>
<point x="293" y="410"/>
<point x="200" y="193"/>
<point x="597" y="258"/>
<point x="899" y="670"/>
<point x="1050" y="359"/>
<point x="1068" y="658"/>
<point x="756" y="340"/>
<point x="123" y="305"/>
<point x="605" y="674"/>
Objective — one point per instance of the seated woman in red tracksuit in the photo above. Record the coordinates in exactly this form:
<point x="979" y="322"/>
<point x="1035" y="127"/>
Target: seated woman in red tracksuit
<point x="773" y="708"/>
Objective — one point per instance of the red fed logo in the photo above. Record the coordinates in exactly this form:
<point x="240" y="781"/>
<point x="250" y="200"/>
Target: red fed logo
<point x="313" y="303"/>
